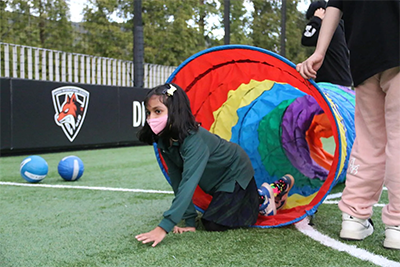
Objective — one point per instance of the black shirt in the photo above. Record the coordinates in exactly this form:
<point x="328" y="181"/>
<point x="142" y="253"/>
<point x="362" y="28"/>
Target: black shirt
<point x="372" y="35"/>
<point x="335" y="68"/>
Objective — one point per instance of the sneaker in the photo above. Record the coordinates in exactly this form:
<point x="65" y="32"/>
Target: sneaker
<point x="354" y="228"/>
<point x="267" y="207"/>
<point x="284" y="184"/>
<point x="392" y="239"/>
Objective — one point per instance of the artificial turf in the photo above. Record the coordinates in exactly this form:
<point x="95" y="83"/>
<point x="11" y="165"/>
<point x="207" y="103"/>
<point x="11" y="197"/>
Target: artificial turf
<point x="82" y="227"/>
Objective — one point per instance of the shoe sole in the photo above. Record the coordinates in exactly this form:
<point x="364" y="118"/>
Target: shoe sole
<point x="291" y="178"/>
<point x="356" y="236"/>
<point x="271" y="201"/>
<point x="391" y="244"/>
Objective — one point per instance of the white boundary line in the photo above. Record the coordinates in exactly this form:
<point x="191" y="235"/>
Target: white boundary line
<point x="333" y="196"/>
<point x="336" y="202"/>
<point x="339" y="195"/>
<point x="304" y="227"/>
<point x="89" y="188"/>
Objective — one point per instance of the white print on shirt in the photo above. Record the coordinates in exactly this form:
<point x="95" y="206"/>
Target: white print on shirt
<point x="309" y="31"/>
<point x="353" y="169"/>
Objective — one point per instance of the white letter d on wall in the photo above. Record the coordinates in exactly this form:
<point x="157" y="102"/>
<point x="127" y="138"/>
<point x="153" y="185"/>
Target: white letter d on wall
<point x="139" y="115"/>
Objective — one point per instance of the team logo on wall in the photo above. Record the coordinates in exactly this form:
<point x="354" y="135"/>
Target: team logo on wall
<point x="70" y="104"/>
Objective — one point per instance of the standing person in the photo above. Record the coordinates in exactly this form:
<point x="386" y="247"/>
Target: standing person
<point x="336" y="66"/>
<point x="374" y="160"/>
<point x="196" y="157"/>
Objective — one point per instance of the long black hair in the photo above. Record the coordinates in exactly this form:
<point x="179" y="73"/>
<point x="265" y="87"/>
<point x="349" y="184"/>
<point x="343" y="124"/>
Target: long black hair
<point x="180" y="117"/>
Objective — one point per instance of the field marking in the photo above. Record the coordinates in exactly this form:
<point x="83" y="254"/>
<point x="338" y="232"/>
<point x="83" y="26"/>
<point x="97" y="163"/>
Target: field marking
<point x="337" y="202"/>
<point x="89" y="188"/>
<point x="333" y="196"/>
<point x="339" y="195"/>
<point x="326" y="201"/>
<point x="304" y="227"/>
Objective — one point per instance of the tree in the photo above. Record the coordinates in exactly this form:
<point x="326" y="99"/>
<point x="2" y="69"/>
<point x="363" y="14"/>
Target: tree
<point x="295" y="23"/>
<point x="267" y="25"/>
<point x="238" y="22"/>
<point x="54" y="24"/>
<point x="20" y="26"/>
<point x="174" y="29"/>
<point x="203" y="12"/>
<point x="100" y="35"/>
<point x="4" y="20"/>
<point x="40" y="23"/>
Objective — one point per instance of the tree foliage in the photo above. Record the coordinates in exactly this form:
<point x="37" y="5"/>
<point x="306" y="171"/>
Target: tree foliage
<point x="40" y="23"/>
<point x="173" y="29"/>
<point x="100" y="36"/>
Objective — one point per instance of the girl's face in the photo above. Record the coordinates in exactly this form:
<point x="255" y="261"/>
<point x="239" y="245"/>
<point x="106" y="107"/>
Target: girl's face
<point x="155" y="108"/>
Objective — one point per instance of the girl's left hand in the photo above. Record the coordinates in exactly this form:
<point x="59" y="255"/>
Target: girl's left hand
<point x="308" y="69"/>
<point x="156" y="236"/>
<point x="180" y="230"/>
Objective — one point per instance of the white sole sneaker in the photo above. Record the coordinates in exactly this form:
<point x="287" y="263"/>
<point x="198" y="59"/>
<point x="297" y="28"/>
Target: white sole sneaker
<point x="392" y="239"/>
<point x="354" y="228"/>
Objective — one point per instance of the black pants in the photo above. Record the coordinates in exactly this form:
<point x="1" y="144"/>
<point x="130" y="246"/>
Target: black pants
<point x="230" y="210"/>
<point x="214" y="227"/>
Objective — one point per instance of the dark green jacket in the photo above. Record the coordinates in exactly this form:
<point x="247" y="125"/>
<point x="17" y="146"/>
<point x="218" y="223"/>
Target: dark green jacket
<point x="206" y="160"/>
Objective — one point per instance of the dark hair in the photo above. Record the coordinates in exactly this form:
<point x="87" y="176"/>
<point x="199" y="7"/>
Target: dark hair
<point x="180" y="117"/>
<point x="314" y="6"/>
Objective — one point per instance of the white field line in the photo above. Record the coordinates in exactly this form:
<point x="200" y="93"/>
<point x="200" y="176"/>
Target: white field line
<point x="333" y="196"/>
<point x="304" y="227"/>
<point x="336" y="202"/>
<point x="339" y="195"/>
<point x="326" y="201"/>
<point x="89" y="188"/>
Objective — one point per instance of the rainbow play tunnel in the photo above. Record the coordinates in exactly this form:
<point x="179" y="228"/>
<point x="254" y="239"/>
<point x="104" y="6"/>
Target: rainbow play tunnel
<point x="257" y="99"/>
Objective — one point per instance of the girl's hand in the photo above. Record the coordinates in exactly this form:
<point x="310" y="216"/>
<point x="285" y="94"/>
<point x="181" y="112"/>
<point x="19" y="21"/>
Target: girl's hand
<point x="156" y="236"/>
<point x="308" y="69"/>
<point x="180" y="230"/>
<point x="320" y="12"/>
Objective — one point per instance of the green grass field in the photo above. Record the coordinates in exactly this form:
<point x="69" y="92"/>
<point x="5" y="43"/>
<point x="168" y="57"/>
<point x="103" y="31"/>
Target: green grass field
<point x="50" y="226"/>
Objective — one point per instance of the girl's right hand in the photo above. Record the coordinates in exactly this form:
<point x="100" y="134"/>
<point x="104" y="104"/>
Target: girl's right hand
<point x="180" y="230"/>
<point x="156" y="236"/>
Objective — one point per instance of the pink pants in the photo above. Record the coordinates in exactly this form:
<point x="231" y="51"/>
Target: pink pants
<point x="375" y="157"/>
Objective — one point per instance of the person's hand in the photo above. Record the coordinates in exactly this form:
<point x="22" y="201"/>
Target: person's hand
<point x="320" y="13"/>
<point x="308" y="69"/>
<point x="180" y="230"/>
<point x="156" y="236"/>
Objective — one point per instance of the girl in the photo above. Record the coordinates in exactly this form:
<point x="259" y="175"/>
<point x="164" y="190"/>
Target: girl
<point x="196" y="157"/>
<point x="336" y="67"/>
<point x="375" y="66"/>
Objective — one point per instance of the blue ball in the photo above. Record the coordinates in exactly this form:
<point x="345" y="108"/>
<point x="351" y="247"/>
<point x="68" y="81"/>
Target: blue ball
<point x="34" y="169"/>
<point x="70" y="168"/>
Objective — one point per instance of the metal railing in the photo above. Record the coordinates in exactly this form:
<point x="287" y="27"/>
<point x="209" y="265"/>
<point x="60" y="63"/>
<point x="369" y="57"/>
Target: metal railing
<point x="34" y="63"/>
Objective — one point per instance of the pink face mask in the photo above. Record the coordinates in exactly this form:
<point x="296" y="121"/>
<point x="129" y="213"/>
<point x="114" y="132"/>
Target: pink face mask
<point x="158" y="124"/>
